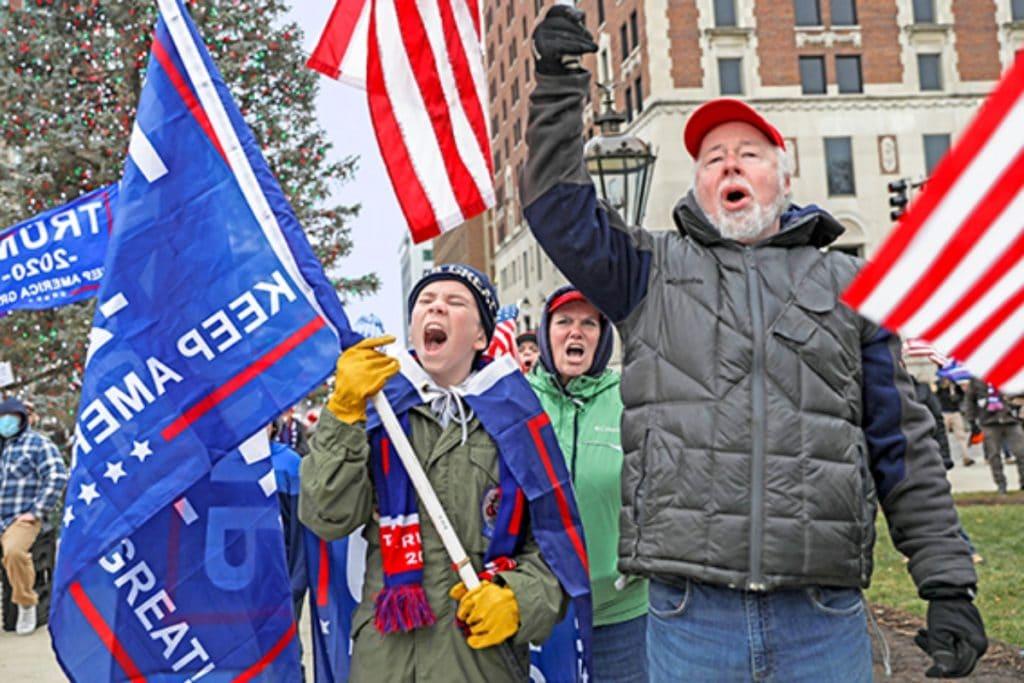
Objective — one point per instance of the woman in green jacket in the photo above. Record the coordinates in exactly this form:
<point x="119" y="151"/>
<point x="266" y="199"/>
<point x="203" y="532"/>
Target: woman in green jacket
<point x="581" y="396"/>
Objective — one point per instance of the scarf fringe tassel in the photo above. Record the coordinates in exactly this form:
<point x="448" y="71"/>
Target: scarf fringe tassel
<point x="402" y="608"/>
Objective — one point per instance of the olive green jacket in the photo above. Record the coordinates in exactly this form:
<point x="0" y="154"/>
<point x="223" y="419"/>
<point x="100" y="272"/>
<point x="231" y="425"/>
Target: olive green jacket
<point x="338" y="497"/>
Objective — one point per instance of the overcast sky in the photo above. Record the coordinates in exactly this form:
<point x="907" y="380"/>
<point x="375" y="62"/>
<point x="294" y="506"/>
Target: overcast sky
<point x="343" y="113"/>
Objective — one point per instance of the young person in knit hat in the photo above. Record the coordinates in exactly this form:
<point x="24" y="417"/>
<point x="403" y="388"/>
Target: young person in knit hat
<point x="412" y="624"/>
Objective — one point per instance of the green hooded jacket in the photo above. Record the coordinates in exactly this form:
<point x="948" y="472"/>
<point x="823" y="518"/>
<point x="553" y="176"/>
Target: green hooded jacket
<point x="585" y="417"/>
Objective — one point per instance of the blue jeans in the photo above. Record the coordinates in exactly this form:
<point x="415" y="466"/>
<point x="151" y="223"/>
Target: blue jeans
<point x="620" y="653"/>
<point x="708" y="633"/>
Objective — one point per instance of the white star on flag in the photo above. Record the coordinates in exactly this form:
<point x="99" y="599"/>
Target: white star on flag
<point x="69" y="516"/>
<point x="141" y="450"/>
<point x="115" y="470"/>
<point x="325" y="627"/>
<point x="88" y="493"/>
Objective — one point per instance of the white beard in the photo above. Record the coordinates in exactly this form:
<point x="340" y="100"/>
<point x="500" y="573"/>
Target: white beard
<point x="753" y="222"/>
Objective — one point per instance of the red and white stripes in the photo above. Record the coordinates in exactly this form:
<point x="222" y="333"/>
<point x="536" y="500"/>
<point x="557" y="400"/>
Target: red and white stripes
<point x="952" y="272"/>
<point x="425" y="84"/>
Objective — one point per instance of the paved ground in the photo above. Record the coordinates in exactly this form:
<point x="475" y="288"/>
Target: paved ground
<point x="29" y="659"/>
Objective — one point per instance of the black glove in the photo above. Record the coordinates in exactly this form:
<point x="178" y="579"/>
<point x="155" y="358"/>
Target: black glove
<point x="955" y="637"/>
<point x="559" y="40"/>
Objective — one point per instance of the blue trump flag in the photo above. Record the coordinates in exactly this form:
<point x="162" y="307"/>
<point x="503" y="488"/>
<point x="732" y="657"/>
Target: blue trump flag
<point x="56" y="258"/>
<point x="198" y="592"/>
<point x="335" y="570"/>
<point x="213" y="317"/>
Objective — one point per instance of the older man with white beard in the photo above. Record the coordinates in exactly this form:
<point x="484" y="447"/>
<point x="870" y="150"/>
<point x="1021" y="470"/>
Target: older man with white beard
<point x="764" y="420"/>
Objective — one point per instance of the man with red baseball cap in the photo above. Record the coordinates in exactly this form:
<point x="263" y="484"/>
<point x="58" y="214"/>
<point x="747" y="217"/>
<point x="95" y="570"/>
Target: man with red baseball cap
<point x="764" y="421"/>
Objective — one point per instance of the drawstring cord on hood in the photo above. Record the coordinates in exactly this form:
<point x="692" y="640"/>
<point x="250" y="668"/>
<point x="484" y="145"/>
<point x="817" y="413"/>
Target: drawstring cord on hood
<point x="447" y="405"/>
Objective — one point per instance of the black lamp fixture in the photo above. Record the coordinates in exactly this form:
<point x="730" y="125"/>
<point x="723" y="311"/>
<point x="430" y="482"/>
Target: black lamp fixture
<point x="620" y="164"/>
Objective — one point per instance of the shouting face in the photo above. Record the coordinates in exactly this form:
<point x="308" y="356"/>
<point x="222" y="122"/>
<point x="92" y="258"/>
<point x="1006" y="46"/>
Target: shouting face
<point x="574" y="331"/>
<point x="739" y="184"/>
<point x="528" y="355"/>
<point x="446" y="331"/>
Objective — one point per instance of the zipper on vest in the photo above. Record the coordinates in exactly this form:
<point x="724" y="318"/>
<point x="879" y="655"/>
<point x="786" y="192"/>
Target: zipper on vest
<point x="755" y="581"/>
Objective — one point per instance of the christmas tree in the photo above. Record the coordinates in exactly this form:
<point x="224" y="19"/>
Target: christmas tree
<point x="70" y="76"/>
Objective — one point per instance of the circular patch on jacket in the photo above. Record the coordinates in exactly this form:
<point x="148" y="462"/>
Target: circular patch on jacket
<point x="489" y="509"/>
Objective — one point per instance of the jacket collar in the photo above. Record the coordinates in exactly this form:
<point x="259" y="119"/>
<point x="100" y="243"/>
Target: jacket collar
<point x="801" y="226"/>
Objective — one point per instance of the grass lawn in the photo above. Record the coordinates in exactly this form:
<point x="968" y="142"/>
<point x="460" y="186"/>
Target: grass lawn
<point x="998" y="533"/>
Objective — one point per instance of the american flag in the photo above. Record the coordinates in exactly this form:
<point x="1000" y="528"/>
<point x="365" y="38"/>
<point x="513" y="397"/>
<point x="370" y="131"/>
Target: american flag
<point x="422" y="66"/>
<point x="504" y="340"/>
<point x="919" y="348"/>
<point x="952" y="272"/>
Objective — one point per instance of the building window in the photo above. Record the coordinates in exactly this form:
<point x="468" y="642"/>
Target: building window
<point x="526" y="269"/>
<point x="638" y="90"/>
<point x="600" y="12"/>
<point x="634" y="29"/>
<point x="929" y="71"/>
<point x="1017" y="10"/>
<point x="725" y="12"/>
<point x="839" y="166"/>
<point x="629" y="104"/>
<point x="540" y="272"/>
<point x="624" y="40"/>
<point x="844" y="12"/>
<point x="848" y="74"/>
<point x="808" y="12"/>
<point x="730" y="80"/>
<point x="935" y="147"/>
<point x="812" y="75"/>
<point x="924" y="11"/>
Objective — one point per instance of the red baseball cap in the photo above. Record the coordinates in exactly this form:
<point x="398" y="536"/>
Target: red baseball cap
<point x="710" y="115"/>
<point x="566" y="298"/>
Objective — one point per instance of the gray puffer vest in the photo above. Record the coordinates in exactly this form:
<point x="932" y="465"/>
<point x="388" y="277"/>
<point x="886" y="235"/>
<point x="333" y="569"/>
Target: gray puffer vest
<point x="745" y="460"/>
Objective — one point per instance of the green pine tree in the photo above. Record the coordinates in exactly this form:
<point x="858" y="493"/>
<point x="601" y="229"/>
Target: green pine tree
<point x="70" y="75"/>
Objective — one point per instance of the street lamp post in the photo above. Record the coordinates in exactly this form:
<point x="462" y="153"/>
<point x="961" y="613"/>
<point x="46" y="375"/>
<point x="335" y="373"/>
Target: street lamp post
<point x="621" y="165"/>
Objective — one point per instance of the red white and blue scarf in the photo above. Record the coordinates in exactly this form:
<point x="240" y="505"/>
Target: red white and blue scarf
<point x="534" y="484"/>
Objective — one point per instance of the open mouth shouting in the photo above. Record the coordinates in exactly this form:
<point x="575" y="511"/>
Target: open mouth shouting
<point x="434" y="337"/>
<point x="575" y="351"/>
<point x="735" y="196"/>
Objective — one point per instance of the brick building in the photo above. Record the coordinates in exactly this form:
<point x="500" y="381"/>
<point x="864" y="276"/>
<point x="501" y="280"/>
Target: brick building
<point x="864" y="91"/>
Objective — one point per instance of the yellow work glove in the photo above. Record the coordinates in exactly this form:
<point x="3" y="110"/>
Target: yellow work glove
<point x="490" y="611"/>
<point x="362" y="371"/>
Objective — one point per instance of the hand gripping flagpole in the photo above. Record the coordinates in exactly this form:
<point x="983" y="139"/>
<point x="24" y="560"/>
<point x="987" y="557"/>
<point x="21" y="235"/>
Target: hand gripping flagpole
<point x="438" y="517"/>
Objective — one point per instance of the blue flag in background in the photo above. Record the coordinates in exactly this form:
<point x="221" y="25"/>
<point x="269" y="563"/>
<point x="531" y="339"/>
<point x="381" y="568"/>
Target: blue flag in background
<point x="56" y="258"/>
<point x="213" y="317"/>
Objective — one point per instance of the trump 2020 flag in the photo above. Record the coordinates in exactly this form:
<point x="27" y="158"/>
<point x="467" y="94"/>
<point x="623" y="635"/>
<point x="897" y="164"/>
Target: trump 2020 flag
<point x="56" y="257"/>
<point x="952" y="272"/>
<point x="213" y="317"/>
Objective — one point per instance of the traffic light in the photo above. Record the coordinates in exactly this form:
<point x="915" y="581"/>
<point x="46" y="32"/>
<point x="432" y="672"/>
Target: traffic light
<point x="899" y="199"/>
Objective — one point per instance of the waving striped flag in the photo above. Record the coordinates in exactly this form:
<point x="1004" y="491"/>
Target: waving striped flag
<point x="952" y="272"/>
<point x="503" y="343"/>
<point x="421" y="63"/>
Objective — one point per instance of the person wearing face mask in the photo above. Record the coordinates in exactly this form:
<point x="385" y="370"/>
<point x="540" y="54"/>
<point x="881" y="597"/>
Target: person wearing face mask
<point x="411" y="621"/>
<point x="32" y="478"/>
<point x="581" y="396"/>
